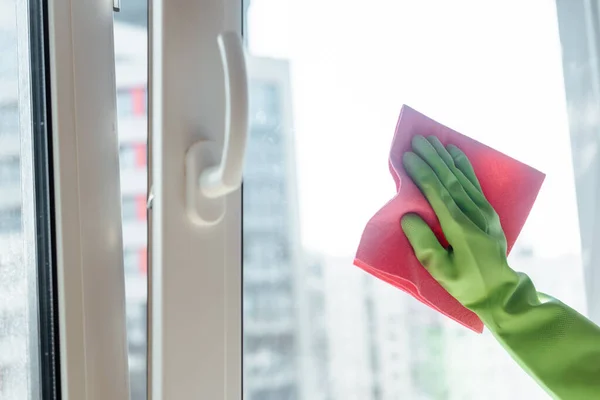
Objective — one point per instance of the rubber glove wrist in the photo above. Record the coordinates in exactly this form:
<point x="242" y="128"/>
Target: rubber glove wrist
<point x="507" y="299"/>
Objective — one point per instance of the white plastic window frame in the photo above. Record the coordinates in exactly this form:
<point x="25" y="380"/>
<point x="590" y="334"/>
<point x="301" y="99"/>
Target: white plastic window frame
<point x="89" y="253"/>
<point x="195" y="295"/>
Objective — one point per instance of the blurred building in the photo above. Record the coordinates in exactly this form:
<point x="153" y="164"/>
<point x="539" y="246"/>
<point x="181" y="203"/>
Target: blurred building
<point x="384" y="345"/>
<point x="354" y="366"/>
<point x="283" y="334"/>
<point x="132" y="112"/>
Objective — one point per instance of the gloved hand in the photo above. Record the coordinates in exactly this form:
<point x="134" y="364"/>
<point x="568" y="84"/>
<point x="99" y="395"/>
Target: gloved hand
<point x="556" y="345"/>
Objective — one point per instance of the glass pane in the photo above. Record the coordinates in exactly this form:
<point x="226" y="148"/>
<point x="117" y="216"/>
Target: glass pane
<point x="29" y="362"/>
<point x="328" y="80"/>
<point x="131" y="65"/>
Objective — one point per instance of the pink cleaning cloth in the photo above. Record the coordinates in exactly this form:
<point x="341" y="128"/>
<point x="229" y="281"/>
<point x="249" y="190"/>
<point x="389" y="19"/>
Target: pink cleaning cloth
<point x="510" y="186"/>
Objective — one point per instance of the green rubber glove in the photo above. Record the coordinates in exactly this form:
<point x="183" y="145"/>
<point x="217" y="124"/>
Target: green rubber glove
<point x="557" y="346"/>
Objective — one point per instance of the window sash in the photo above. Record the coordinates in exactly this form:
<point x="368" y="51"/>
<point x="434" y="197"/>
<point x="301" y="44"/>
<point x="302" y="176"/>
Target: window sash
<point x="89" y="259"/>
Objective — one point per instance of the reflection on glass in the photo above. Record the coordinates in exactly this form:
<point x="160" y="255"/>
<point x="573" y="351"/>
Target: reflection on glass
<point x="328" y="81"/>
<point x="16" y="350"/>
<point x="131" y="65"/>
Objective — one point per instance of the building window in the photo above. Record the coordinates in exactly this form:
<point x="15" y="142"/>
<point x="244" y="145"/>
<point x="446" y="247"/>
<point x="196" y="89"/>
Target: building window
<point x="279" y="251"/>
<point x="133" y="208"/>
<point x="127" y="156"/>
<point x="9" y="170"/>
<point x="139" y="101"/>
<point x="9" y="120"/>
<point x="10" y="219"/>
<point x="267" y="138"/>
<point x="143" y="260"/>
<point x="129" y="208"/>
<point x="131" y="102"/>
<point x="264" y="104"/>
<point x="265" y="197"/>
<point x="132" y="155"/>
<point x="131" y="262"/>
<point x="135" y="261"/>
<point x="124" y="103"/>
<point x="268" y="303"/>
<point x="266" y="251"/>
<point x="140" y="155"/>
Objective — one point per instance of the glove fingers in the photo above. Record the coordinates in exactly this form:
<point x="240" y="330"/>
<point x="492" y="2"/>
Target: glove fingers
<point x="464" y="165"/>
<point x="451" y="218"/>
<point x="426" y="246"/>
<point x="456" y="183"/>
<point x="466" y="175"/>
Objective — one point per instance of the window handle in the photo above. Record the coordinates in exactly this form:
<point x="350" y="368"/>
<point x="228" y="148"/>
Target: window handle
<point x="209" y="180"/>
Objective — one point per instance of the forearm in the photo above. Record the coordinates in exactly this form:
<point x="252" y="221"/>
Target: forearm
<point x="556" y="345"/>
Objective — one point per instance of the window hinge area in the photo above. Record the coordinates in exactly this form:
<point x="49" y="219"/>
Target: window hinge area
<point x="150" y="198"/>
<point x="116" y="5"/>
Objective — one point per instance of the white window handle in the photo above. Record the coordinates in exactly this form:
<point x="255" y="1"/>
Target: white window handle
<point x="208" y="181"/>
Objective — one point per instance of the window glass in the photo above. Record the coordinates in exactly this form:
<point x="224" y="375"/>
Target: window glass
<point x="328" y="80"/>
<point x="131" y="65"/>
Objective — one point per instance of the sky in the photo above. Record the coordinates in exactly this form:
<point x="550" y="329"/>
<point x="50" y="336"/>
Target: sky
<point x="491" y="70"/>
